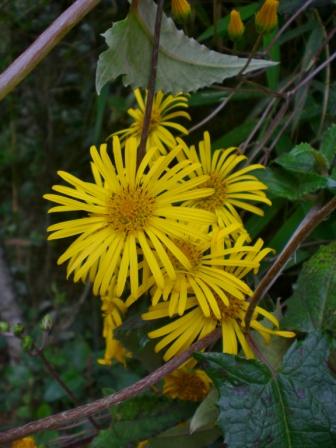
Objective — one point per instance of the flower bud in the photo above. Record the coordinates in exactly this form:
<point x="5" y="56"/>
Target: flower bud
<point x="236" y="27"/>
<point x="180" y="9"/>
<point x="266" y="18"/>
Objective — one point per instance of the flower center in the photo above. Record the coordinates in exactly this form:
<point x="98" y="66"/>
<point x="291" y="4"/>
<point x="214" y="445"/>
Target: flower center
<point x="130" y="210"/>
<point x="191" y="251"/>
<point x="234" y="311"/>
<point x="189" y="386"/>
<point x="217" y="199"/>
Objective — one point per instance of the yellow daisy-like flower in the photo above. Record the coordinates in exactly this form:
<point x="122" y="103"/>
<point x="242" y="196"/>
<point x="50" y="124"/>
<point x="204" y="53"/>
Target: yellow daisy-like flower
<point x="183" y="331"/>
<point x="236" y="26"/>
<point x="187" y="384"/>
<point x="233" y="187"/>
<point x="166" y="109"/>
<point x="112" y="310"/>
<point x="180" y="9"/>
<point x="26" y="442"/>
<point x="132" y="214"/>
<point x="214" y="274"/>
<point x="266" y="18"/>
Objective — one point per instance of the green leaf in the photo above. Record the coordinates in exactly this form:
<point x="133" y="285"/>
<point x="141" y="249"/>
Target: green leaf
<point x="141" y="418"/>
<point x="294" y="407"/>
<point x="313" y="304"/>
<point x="180" y="437"/>
<point x="183" y="65"/>
<point x="328" y="144"/>
<point x="303" y="159"/>
<point x="283" y="184"/>
<point x="206" y="414"/>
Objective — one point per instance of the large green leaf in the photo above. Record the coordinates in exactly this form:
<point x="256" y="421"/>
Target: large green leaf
<point x="183" y="65"/>
<point x="294" y="407"/>
<point x="140" y="418"/>
<point x="313" y="304"/>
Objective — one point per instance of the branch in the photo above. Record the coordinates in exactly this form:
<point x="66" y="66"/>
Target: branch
<point x="313" y="218"/>
<point x="34" y="54"/>
<point x="151" y="81"/>
<point x="86" y="410"/>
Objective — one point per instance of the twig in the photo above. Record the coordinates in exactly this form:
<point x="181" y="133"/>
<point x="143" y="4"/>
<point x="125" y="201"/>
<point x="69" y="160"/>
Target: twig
<point x="314" y="217"/>
<point x="312" y="74"/>
<point x="56" y="420"/>
<point x="151" y="81"/>
<point x="50" y="368"/>
<point x="280" y="114"/>
<point x="34" y="54"/>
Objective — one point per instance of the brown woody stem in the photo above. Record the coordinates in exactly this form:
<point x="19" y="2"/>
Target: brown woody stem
<point x="313" y="218"/>
<point x="151" y="81"/>
<point x="86" y="410"/>
<point x="39" y="49"/>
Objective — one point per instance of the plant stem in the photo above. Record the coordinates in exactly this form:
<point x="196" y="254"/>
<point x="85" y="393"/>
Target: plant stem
<point x="314" y="217"/>
<point x="56" y="420"/>
<point x="50" y="368"/>
<point x="39" y="49"/>
<point x="151" y="81"/>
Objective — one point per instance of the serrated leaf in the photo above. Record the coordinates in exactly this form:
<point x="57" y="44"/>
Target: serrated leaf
<point x="313" y="304"/>
<point x="184" y="65"/>
<point x="303" y="159"/>
<point x="328" y="144"/>
<point x="284" y="184"/>
<point x="141" y="418"/>
<point x="206" y="414"/>
<point x="294" y="407"/>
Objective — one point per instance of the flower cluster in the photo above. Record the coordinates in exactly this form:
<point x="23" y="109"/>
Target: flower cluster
<point x="168" y="228"/>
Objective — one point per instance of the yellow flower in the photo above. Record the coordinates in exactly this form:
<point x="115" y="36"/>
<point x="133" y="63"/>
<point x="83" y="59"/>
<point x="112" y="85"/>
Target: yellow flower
<point x="183" y="331"/>
<point x="187" y="384"/>
<point x="236" y="27"/>
<point x="26" y="442"/>
<point x="131" y="213"/>
<point x="166" y="109"/>
<point x="267" y="17"/>
<point x="180" y="9"/>
<point x="112" y="310"/>
<point x="233" y="187"/>
<point x="215" y="273"/>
